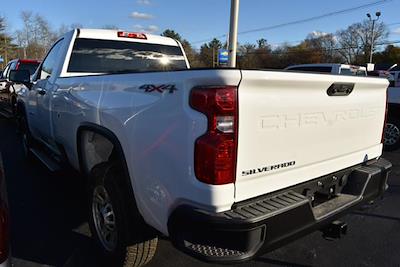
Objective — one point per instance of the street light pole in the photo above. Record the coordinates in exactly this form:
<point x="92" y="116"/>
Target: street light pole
<point x="378" y="14"/>
<point x="372" y="42"/>
<point x="233" y="31"/>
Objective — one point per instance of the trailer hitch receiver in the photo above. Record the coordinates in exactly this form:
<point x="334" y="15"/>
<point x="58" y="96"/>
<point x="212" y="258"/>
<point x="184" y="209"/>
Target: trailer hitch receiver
<point x="334" y="230"/>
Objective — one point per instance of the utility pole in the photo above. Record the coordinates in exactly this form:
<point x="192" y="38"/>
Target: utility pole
<point x="377" y="14"/>
<point x="233" y="31"/>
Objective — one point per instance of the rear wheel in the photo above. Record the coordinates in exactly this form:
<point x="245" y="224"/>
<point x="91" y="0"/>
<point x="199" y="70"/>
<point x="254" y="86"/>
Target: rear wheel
<point x="117" y="225"/>
<point x="392" y="134"/>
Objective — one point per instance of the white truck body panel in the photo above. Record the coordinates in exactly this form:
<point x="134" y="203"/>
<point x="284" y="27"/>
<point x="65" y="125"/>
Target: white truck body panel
<point x="156" y="131"/>
<point x="283" y="117"/>
<point x="288" y="117"/>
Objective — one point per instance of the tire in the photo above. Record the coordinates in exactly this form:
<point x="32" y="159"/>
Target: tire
<point x="131" y="242"/>
<point x="392" y="134"/>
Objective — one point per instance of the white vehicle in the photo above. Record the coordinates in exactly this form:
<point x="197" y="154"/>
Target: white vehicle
<point x="338" y="69"/>
<point x="392" y="131"/>
<point x="394" y="78"/>
<point x="227" y="163"/>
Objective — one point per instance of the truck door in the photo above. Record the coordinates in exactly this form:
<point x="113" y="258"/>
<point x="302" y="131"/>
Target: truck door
<point x="40" y="112"/>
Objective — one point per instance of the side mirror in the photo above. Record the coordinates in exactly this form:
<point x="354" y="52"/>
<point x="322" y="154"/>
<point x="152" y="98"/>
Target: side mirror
<point x="20" y="76"/>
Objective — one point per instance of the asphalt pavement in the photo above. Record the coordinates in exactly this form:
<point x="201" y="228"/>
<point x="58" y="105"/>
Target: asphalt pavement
<point x="49" y="228"/>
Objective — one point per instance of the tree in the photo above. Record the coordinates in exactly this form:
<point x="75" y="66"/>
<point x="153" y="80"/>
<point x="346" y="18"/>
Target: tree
<point x="247" y="57"/>
<point x="191" y="54"/>
<point x="354" y="43"/>
<point x="7" y="48"/>
<point x="262" y="43"/>
<point x="172" y="34"/>
<point x="262" y="56"/>
<point x="323" y="47"/>
<point x="208" y="53"/>
<point x="390" y="55"/>
<point x="36" y="36"/>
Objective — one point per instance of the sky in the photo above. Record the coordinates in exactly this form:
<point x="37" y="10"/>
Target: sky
<point x="202" y="20"/>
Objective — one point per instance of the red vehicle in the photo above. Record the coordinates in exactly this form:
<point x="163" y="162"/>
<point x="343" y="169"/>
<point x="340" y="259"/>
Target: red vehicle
<point x="8" y="91"/>
<point x="4" y="222"/>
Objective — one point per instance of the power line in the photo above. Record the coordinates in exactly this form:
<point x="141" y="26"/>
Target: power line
<point x="324" y="50"/>
<point x="303" y="40"/>
<point x="309" y="48"/>
<point x="330" y="14"/>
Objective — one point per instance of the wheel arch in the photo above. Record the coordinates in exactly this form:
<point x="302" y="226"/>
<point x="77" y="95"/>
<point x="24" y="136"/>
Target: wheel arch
<point x="117" y="150"/>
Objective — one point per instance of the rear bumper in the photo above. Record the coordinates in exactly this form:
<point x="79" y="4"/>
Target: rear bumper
<point x="265" y="223"/>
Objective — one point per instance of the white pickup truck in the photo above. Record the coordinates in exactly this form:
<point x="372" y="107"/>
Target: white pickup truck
<point x="227" y="163"/>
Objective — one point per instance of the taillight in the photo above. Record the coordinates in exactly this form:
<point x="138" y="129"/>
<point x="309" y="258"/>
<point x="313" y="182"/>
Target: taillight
<point x="4" y="233"/>
<point x="134" y="35"/>
<point x="216" y="150"/>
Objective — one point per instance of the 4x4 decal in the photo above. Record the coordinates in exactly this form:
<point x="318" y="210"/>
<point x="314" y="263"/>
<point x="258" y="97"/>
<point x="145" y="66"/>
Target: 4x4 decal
<point x="158" y="88"/>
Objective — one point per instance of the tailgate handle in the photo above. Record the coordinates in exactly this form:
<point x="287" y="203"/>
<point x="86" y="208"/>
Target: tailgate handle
<point x="340" y="89"/>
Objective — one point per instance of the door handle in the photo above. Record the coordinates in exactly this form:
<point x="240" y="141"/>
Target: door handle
<point x="41" y="91"/>
<point x="340" y="89"/>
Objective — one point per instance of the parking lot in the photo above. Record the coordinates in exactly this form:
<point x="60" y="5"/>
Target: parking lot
<point x="48" y="219"/>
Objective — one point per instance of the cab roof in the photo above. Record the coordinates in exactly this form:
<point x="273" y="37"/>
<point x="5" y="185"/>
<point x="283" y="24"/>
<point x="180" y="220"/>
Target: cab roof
<point x="113" y="35"/>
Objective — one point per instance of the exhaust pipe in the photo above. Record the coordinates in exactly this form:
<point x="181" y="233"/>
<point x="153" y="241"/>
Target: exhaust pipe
<point x="335" y="230"/>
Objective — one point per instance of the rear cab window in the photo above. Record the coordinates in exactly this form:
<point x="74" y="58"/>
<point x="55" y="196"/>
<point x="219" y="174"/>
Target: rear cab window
<point x="353" y="72"/>
<point x="313" y="69"/>
<point x="109" y="56"/>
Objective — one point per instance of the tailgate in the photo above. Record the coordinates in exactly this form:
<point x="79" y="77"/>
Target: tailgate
<point x="292" y="131"/>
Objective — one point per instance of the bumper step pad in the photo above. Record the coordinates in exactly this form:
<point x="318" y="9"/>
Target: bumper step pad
<point x="266" y="207"/>
<point x="213" y="251"/>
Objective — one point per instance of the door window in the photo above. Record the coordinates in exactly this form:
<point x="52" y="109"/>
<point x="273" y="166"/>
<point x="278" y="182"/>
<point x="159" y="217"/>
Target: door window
<point x="50" y="61"/>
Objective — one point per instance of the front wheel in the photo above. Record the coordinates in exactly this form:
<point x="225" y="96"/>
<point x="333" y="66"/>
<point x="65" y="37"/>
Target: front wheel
<point x="392" y="134"/>
<point x="116" y="225"/>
